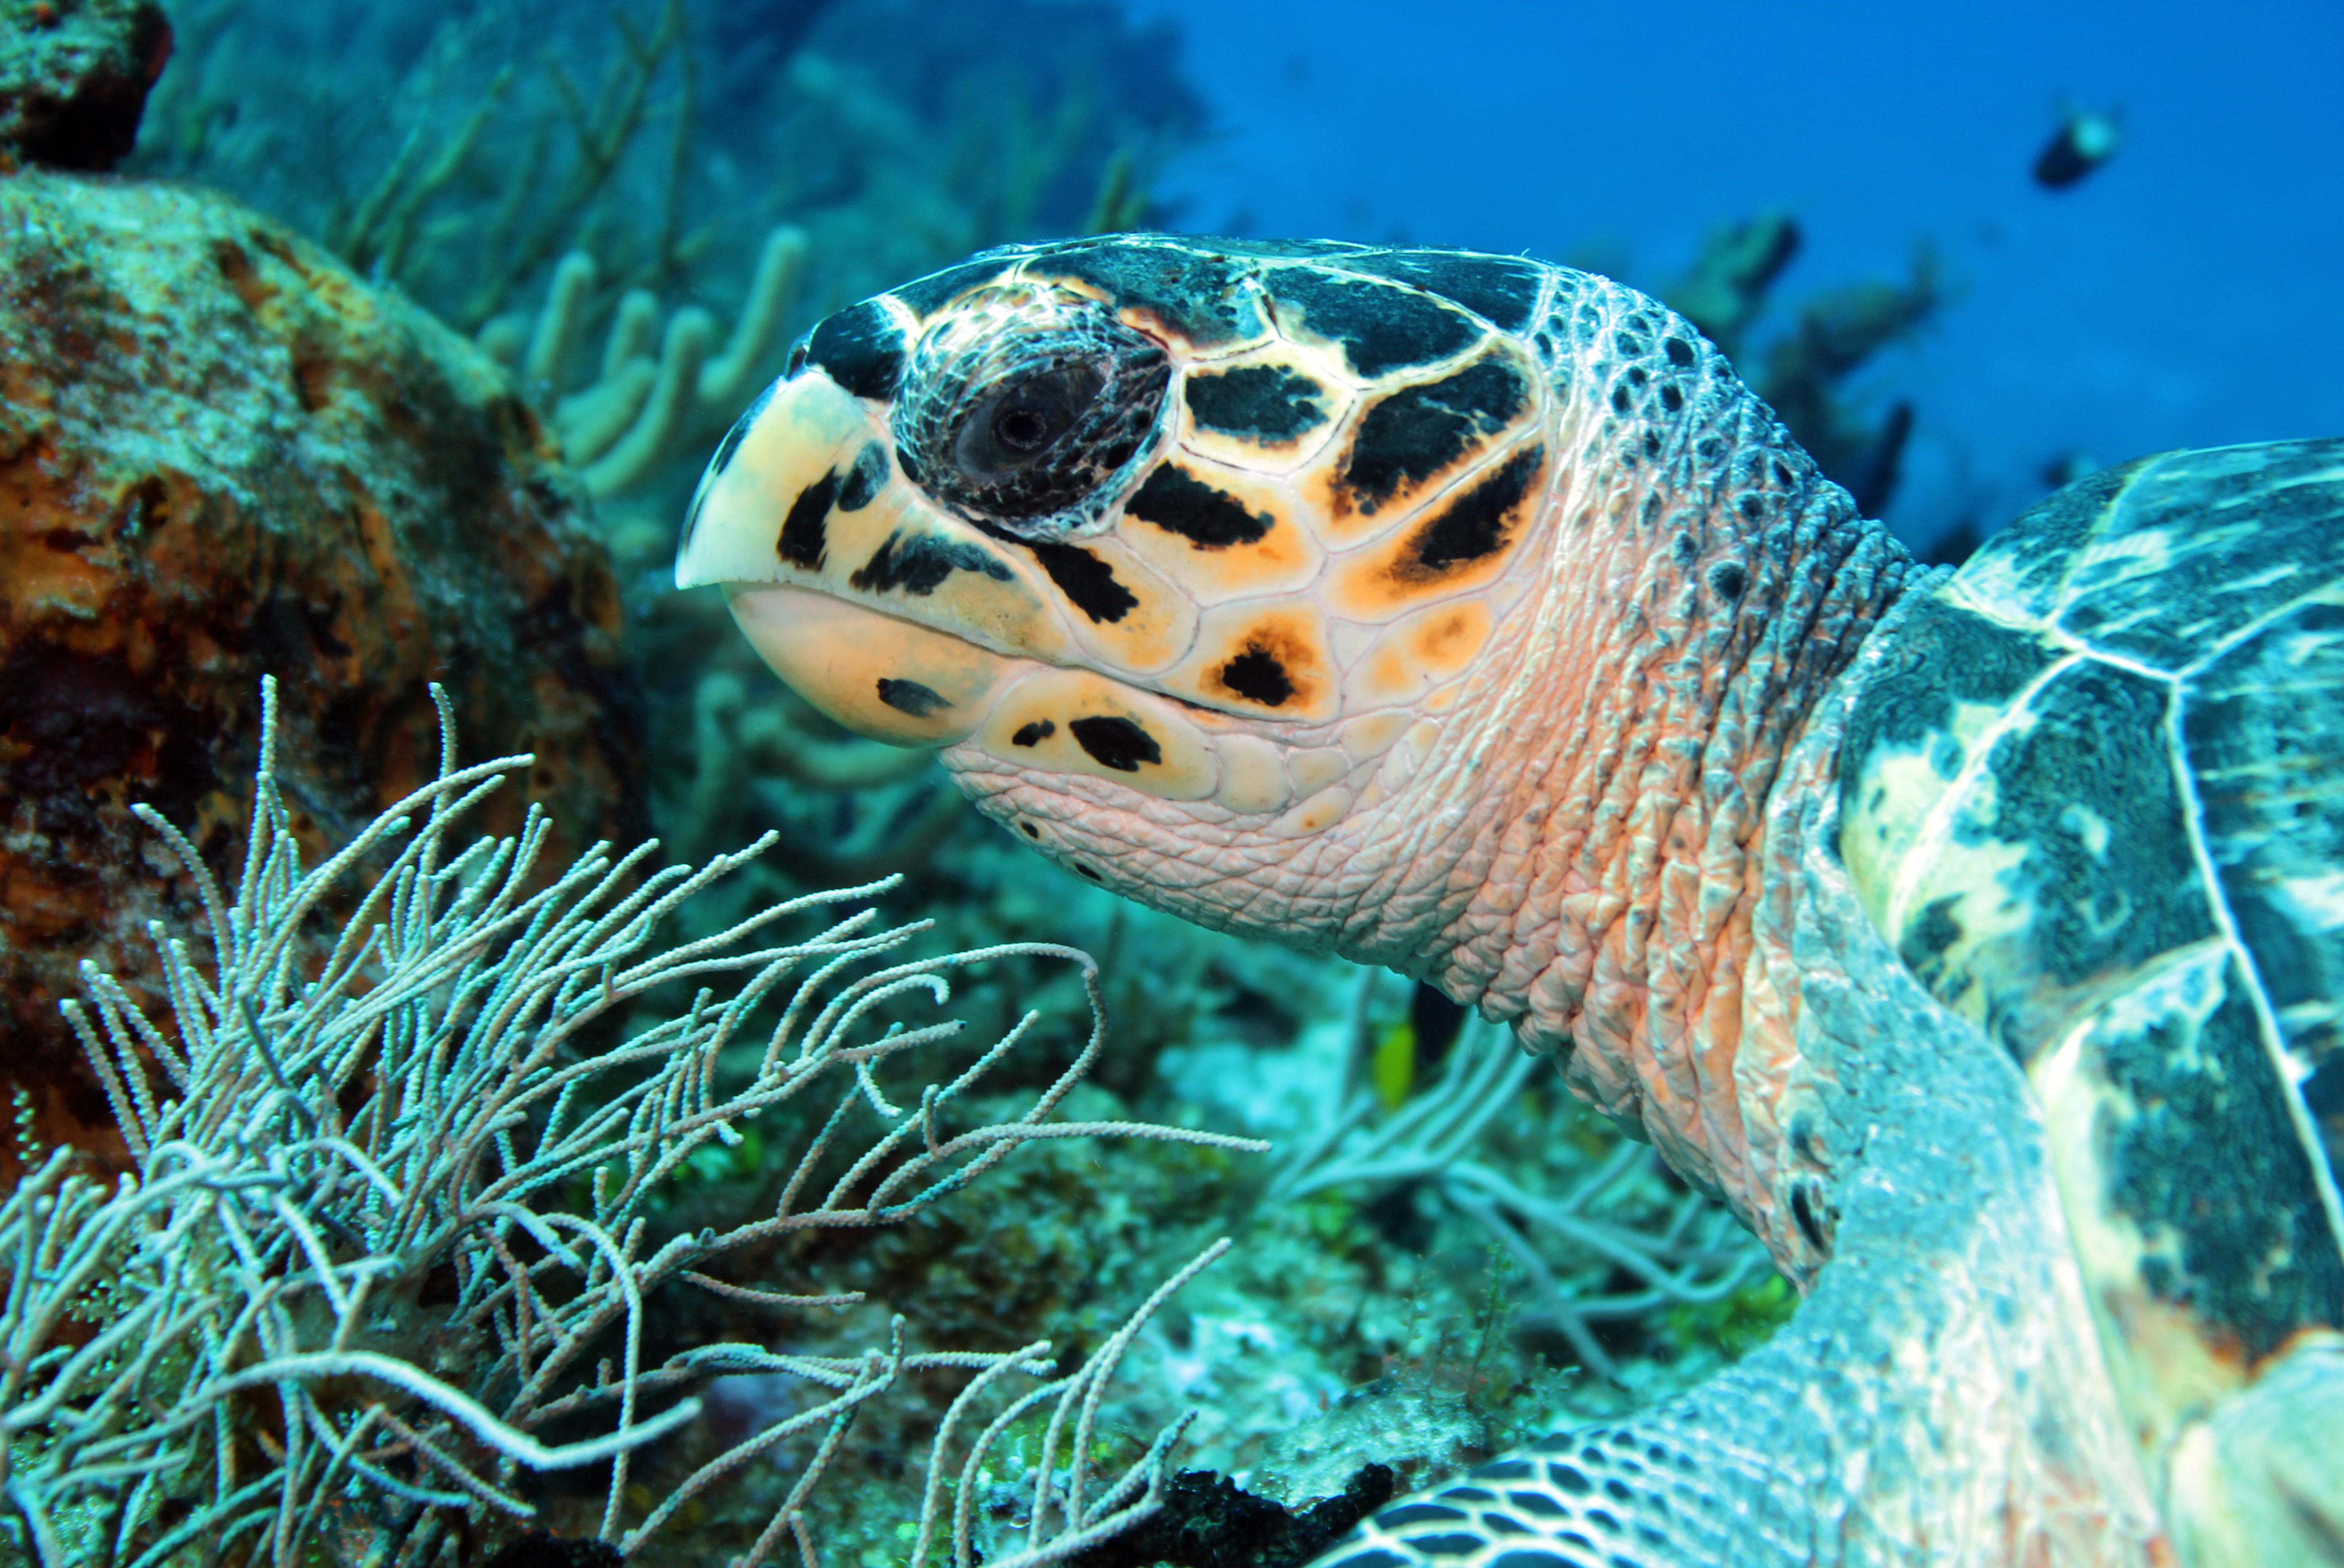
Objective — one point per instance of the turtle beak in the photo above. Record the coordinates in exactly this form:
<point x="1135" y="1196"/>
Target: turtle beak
<point x="782" y="458"/>
<point x="760" y="526"/>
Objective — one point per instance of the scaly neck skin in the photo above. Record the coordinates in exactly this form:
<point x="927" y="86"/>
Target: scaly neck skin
<point x="1597" y="798"/>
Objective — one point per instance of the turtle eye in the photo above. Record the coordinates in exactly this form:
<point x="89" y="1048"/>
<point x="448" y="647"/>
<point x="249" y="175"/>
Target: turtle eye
<point x="1023" y="421"/>
<point x="1029" y="409"/>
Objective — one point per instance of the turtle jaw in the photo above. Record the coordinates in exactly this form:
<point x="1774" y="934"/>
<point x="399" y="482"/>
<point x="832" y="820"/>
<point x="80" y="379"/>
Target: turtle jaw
<point x="884" y="678"/>
<point x="909" y="684"/>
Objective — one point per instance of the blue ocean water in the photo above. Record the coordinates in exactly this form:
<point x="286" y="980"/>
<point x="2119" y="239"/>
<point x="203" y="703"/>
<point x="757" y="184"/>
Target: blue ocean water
<point x="2188" y="294"/>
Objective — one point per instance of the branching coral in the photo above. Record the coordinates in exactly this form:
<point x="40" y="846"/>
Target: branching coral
<point x="1589" y="1256"/>
<point x="398" y="1219"/>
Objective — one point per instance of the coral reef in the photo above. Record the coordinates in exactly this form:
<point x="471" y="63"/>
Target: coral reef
<point x="220" y="453"/>
<point x="74" y="79"/>
<point x="396" y="1235"/>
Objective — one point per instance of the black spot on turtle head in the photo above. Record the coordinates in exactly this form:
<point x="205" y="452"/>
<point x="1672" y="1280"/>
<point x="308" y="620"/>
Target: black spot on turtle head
<point x="1474" y="526"/>
<point x="1258" y="675"/>
<point x="1681" y="353"/>
<point x="1114" y="742"/>
<point x="1087" y="582"/>
<point x="1687" y="549"/>
<point x="1177" y="501"/>
<point x="1670" y="398"/>
<point x="1264" y="402"/>
<point x="1411" y="435"/>
<point x="1621" y="401"/>
<point x="864" y="479"/>
<point x="1501" y="289"/>
<point x="861" y="349"/>
<point x="911" y="697"/>
<point x="920" y="562"/>
<point x="1193" y="291"/>
<point x="1034" y="733"/>
<point x="1728" y="580"/>
<point x="804" y="536"/>
<point x="1382" y="327"/>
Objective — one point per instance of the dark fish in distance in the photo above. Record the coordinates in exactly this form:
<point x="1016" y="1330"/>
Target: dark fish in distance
<point x="2083" y="141"/>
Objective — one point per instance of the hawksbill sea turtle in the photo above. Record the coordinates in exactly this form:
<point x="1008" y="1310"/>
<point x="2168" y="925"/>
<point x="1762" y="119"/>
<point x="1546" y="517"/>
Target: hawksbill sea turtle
<point x="1978" y="936"/>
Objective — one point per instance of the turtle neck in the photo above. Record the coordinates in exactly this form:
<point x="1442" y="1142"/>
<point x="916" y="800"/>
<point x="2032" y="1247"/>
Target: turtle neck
<point x="1702" y="587"/>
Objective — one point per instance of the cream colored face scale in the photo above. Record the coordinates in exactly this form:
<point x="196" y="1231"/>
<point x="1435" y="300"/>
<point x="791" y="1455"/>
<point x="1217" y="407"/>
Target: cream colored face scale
<point x="1297" y="565"/>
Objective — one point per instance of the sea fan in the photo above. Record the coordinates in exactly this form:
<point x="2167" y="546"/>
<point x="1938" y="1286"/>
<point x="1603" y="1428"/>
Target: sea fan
<point x="396" y="1209"/>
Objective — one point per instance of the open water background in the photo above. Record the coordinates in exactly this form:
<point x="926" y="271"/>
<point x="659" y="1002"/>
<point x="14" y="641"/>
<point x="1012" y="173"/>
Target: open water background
<point x="2191" y="293"/>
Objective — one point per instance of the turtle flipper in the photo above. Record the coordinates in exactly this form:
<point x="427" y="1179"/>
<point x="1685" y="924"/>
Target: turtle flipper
<point x="2262" y="1479"/>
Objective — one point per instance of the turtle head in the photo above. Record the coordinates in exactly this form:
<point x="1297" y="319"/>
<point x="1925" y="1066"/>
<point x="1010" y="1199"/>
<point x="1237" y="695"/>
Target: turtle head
<point x="1447" y="611"/>
<point x="1177" y="547"/>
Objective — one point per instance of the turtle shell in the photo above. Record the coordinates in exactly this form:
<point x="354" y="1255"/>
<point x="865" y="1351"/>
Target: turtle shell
<point x="2095" y="796"/>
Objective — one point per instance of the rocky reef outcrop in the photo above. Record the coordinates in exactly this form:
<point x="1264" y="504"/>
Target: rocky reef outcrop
<point x="223" y="454"/>
<point x="74" y="79"/>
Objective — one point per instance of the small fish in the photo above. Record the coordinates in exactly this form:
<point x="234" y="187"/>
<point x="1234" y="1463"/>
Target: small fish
<point x="2085" y="140"/>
